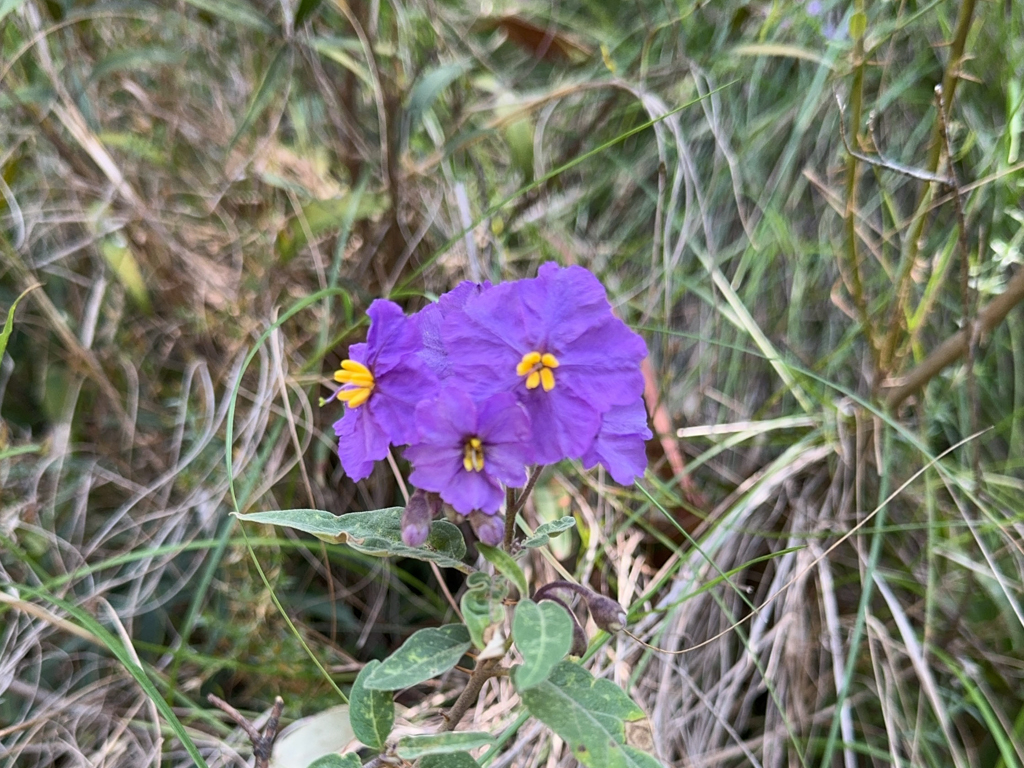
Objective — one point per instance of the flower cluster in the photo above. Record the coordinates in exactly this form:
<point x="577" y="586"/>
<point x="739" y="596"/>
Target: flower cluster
<point x="491" y="379"/>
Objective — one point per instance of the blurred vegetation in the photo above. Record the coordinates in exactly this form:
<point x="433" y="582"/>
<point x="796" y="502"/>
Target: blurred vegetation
<point x="178" y="176"/>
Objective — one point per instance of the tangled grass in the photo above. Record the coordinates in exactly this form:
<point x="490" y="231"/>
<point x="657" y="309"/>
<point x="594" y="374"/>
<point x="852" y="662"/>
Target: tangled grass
<point x="828" y="542"/>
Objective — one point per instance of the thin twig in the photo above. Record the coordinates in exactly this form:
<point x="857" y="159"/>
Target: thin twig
<point x="969" y="301"/>
<point x="952" y="348"/>
<point x="510" y="515"/>
<point x="262" y="743"/>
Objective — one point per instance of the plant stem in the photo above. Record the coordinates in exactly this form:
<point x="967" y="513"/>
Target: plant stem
<point x="956" y="345"/>
<point x="513" y="510"/>
<point x="483" y="672"/>
<point x="914" y="241"/>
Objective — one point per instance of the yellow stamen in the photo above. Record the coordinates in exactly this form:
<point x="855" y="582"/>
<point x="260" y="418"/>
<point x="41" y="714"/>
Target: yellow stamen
<point x="529" y="360"/>
<point x="358" y="380"/>
<point x="352" y="365"/>
<point x="473" y="455"/>
<point x="353" y="377"/>
<point x="538" y="369"/>
<point x="353" y="398"/>
<point x="547" y="379"/>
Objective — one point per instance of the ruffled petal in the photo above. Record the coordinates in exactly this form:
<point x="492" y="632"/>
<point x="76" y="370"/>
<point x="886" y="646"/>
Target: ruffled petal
<point x="501" y="419"/>
<point x="563" y="425"/>
<point x="561" y="304"/>
<point x="620" y="443"/>
<point x="434" y="467"/>
<point x="361" y="442"/>
<point x="395" y="397"/>
<point x="392" y="336"/>
<point x="507" y="462"/>
<point x="473" y="490"/>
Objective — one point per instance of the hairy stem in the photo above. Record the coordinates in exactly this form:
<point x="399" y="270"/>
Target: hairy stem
<point x="513" y="510"/>
<point x="483" y="672"/>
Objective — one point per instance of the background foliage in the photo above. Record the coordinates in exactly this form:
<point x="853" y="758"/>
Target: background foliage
<point x="179" y="175"/>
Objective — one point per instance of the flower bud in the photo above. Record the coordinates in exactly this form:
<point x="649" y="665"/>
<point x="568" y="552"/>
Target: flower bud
<point x="416" y="519"/>
<point x="490" y="529"/>
<point x="606" y="613"/>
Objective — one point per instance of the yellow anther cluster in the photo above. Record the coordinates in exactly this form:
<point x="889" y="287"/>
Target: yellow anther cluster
<point x="361" y="380"/>
<point x="538" y="369"/>
<point x="473" y="455"/>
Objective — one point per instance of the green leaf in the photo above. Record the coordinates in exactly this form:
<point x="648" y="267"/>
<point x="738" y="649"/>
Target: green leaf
<point x="305" y="10"/>
<point x="377" y="533"/>
<point x="5" y="334"/>
<point x="337" y="50"/>
<point x="279" y="68"/>
<point x="321" y="217"/>
<point x="454" y="760"/>
<point x="337" y="761"/>
<point x="412" y="747"/>
<point x="508" y="567"/>
<point x="426" y="654"/>
<point x="429" y="87"/>
<point x="549" y="531"/>
<point x="482" y="606"/>
<point x="236" y="12"/>
<point x="589" y="714"/>
<point x="116" y="646"/>
<point x="134" y="60"/>
<point x="858" y="25"/>
<point x="9" y="6"/>
<point x="543" y="634"/>
<point x="371" y="713"/>
<point x="121" y="259"/>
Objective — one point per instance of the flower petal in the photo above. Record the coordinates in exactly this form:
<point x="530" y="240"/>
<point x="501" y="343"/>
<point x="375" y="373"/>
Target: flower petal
<point x="396" y="394"/>
<point x="391" y="338"/>
<point x="468" y="491"/>
<point x="361" y="442"/>
<point x="619" y="446"/>
<point x="563" y="425"/>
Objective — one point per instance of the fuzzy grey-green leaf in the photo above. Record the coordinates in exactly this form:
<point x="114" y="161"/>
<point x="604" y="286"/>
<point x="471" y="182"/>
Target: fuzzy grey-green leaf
<point x="337" y="761"/>
<point x="548" y="531"/>
<point x="543" y="635"/>
<point x="371" y="712"/>
<point x="589" y="714"/>
<point x="454" y="760"/>
<point x="508" y="567"/>
<point x="377" y="533"/>
<point x="424" y="655"/>
<point x="482" y="606"/>
<point x="413" y="747"/>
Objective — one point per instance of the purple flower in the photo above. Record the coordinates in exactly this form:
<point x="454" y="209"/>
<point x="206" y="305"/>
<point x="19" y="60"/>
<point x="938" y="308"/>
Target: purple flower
<point x="466" y="450"/>
<point x="619" y="445"/>
<point x="430" y="320"/>
<point x="382" y="381"/>
<point x="554" y="342"/>
<point x="420" y="510"/>
<point x="490" y="529"/>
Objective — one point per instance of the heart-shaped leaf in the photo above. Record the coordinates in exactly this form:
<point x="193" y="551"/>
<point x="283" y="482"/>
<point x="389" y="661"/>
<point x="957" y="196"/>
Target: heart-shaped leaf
<point x="424" y="655"/>
<point x="589" y="714"/>
<point x="543" y="635"/>
<point x="371" y="712"/>
<point x="377" y="533"/>
<point x="412" y="747"/>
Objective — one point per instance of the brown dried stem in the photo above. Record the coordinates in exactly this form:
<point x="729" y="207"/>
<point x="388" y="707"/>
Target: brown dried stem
<point x="262" y="743"/>
<point x="956" y="345"/>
